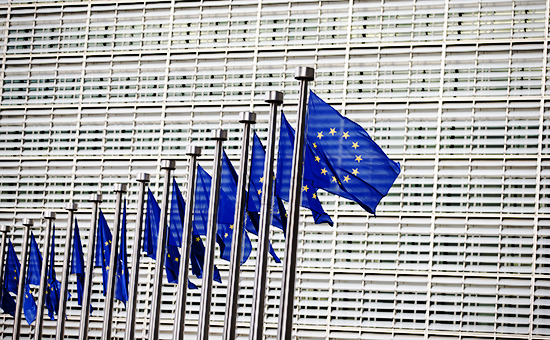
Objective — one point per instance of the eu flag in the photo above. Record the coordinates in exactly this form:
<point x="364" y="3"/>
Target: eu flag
<point x="29" y="305"/>
<point x="7" y="303"/>
<point x="11" y="279"/>
<point x="35" y="263"/>
<point x="103" y="249"/>
<point x="197" y="259"/>
<point x="77" y="263"/>
<point x="202" y="201"/>
<point x="284" y="170"/>
<point x="122" y="278"/>
<point x="152" y="221"/>
<point x="347" y="156"/>
<point x="54" y="286"/>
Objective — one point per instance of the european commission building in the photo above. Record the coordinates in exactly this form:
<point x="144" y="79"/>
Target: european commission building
<point x="457" y="91"/>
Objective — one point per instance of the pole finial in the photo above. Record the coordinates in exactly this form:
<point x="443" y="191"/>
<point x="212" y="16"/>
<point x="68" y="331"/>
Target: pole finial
<point x="304" y="73"/>
<point x="71" y="206"/>
<point x="27" y="222"/>
<point x="275" y="97"/>
<point x="96" y="198"/>
<point x="168" y="164"/>
<point x="193" y="150"/>
<point x="219" y="134"/>
<point x="143" y="177"/>
<point x="49" y="215"/>
<point x="4" y="228"/>
<point x="247" y="117"/>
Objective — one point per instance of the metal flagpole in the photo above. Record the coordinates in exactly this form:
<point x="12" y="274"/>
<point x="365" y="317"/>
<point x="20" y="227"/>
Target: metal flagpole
<point x="286" y="309"/>
<point x="219" y="135"/>
<point x="274" y="98"/>
<point x="193" y="152"/>
<point x="50" y="217"/>
<point x="87" y="294"/>
<point x="27" y="223"/>
<point x="230" y="322"/>
<point x="168" y="166"/>
<point x="61" y="312"/>
<point x="4" y="229"/>
<point x="120" y="188"/>
<point x="143" y="179"/>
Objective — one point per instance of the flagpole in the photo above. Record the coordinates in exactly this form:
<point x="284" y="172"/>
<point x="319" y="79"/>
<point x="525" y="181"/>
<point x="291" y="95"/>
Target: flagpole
<point x="274" y="98"/>
<point x="229" y="324"/>
<point x="286" y="309"/>
<point x="4" y="229"/>
<point x="61" y="313"/>
<point x="143" y="179"/>
<point x="50" y="217"/>
<point x="27" y="224"/>
<point x="219" y="135"/>
<point x="120" y="188"/>
<point x="168" y="166"/>
<point x="179" y="320"/>
<point x="87" y="294"/>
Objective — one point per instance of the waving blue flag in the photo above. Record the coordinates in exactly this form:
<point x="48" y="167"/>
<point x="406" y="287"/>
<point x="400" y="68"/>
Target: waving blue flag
<point x="77" y="263"/>
<point x="284" y="170"/>
<point x="29" y="305"/>
<point x="7" y="303"/>
<point x="152" y="221"/>
<point x="103" y="249"/>
<point x="11" y="279"/>
<point x="202" y="201"/>
<point x="347" y="157"/>
<point x="197" y="259"/>
<point x="54" y="286"/>
<point x="122" y="278"/>
<point x="35" y="263"/>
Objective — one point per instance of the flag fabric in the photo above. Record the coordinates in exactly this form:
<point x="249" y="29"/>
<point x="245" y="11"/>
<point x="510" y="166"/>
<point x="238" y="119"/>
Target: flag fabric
<point x="152" y="221"/>
<point x="122" y="278"/>
<point x="284" y="171"/>
<point x="54" y="286"/>
<point x="35" y="263"/>
<point x="77" y="263"/>
<point x="347" y="156"/>
<point x="29" y="305"/>
<point x="202" y="201"/>
<point x="103" y="249"/>
<point x="11" y="278"/>
<point x="197" y="259"/>
<point x="7" y="303"/>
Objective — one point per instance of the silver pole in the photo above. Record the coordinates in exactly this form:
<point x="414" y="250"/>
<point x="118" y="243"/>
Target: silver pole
<point x="120" y="188"/>
<point x="61" y="312"/>
<point x="87" y="294"/>
<point x="143" y="179"/>
<point x="27" y="223"/>
<point x="274" y="98"/>
<point x="219" y="136"/>
<point x="230" y="317"/>
<point x="286" y="309"/>
<point x="168" y="166"/>
<point x="50" y="217"/>
<point x="3" y="231"/>
<point x="193" y="152"/>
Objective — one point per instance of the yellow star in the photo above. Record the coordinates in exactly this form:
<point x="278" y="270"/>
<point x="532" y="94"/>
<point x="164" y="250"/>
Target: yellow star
<point x="26" y="295"/>
<point x="176" y="259"/>
<point x="231" y="226"/>
<point x="226" y="234"/>
<point x="332" y="131"/>
<point x="305" y="188"/>
<point x="320" y="135"/>
<point x="355" y="172"/>
<point x="110" y="241"/>
<point x="358" y="159"/>
<point x="333" y="179"/>
<point x="315" y="145"/>
<point x="198" y="239"/>
<point x="346" y="179"/>
<point x="314" y="196"/>
<point x="107" y="267"/>
<point x="259" y="191"/>
<point x="355" y="145"/>
<point x="106" y="243"/>
<point x="317" y="158"/>
<point x="168" y="255"/>
<point x="324" y="171"/>
<point x="345" y="135"/>
<point x="261" y="180"/>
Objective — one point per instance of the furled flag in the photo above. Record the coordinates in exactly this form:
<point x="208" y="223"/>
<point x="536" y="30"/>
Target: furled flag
<point x="103" y="249"/>
<point x="284" y="170"/>
<point x="7" y="303"/>
<point x="29" y="305"/>
<point x="35" y="263"/>
<point x="11" y="279"/>
<point x="347" y="157"/>
<point x="122" y="277"/>
<point x="77" y="263"/>
<point x="152" y="221"/>
<point x="54" y="286"/>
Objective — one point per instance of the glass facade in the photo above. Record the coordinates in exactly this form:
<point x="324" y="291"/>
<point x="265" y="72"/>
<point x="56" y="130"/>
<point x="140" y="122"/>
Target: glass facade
<point x="457" y="91"/>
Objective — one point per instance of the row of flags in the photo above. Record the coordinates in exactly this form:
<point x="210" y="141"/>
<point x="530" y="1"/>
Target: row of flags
<point x="340" y="158"/>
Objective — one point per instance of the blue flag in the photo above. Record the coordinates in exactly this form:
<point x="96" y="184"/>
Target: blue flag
<point x="152" y="221"/>
<point x="197" y="259"/>
<point x="54" y="286"/>
<point x="103" y="249"/>
<point x="7" y="303"/>
<point x="77" y="263"/>
<point x="347" y="156"/>
<point x="35" y="263"/>
<point x="29" y="305"/>
<point x="122" y="278"/>
<point x="11" y="278"/>
<point x="284" y="170"/>
<point x="202" y="201"/>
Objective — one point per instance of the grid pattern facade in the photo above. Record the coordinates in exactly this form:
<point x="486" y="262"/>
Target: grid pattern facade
<point x="458" y="91"/>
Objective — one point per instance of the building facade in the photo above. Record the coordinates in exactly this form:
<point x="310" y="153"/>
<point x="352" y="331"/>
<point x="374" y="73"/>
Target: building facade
<point x="457" y="91"/>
